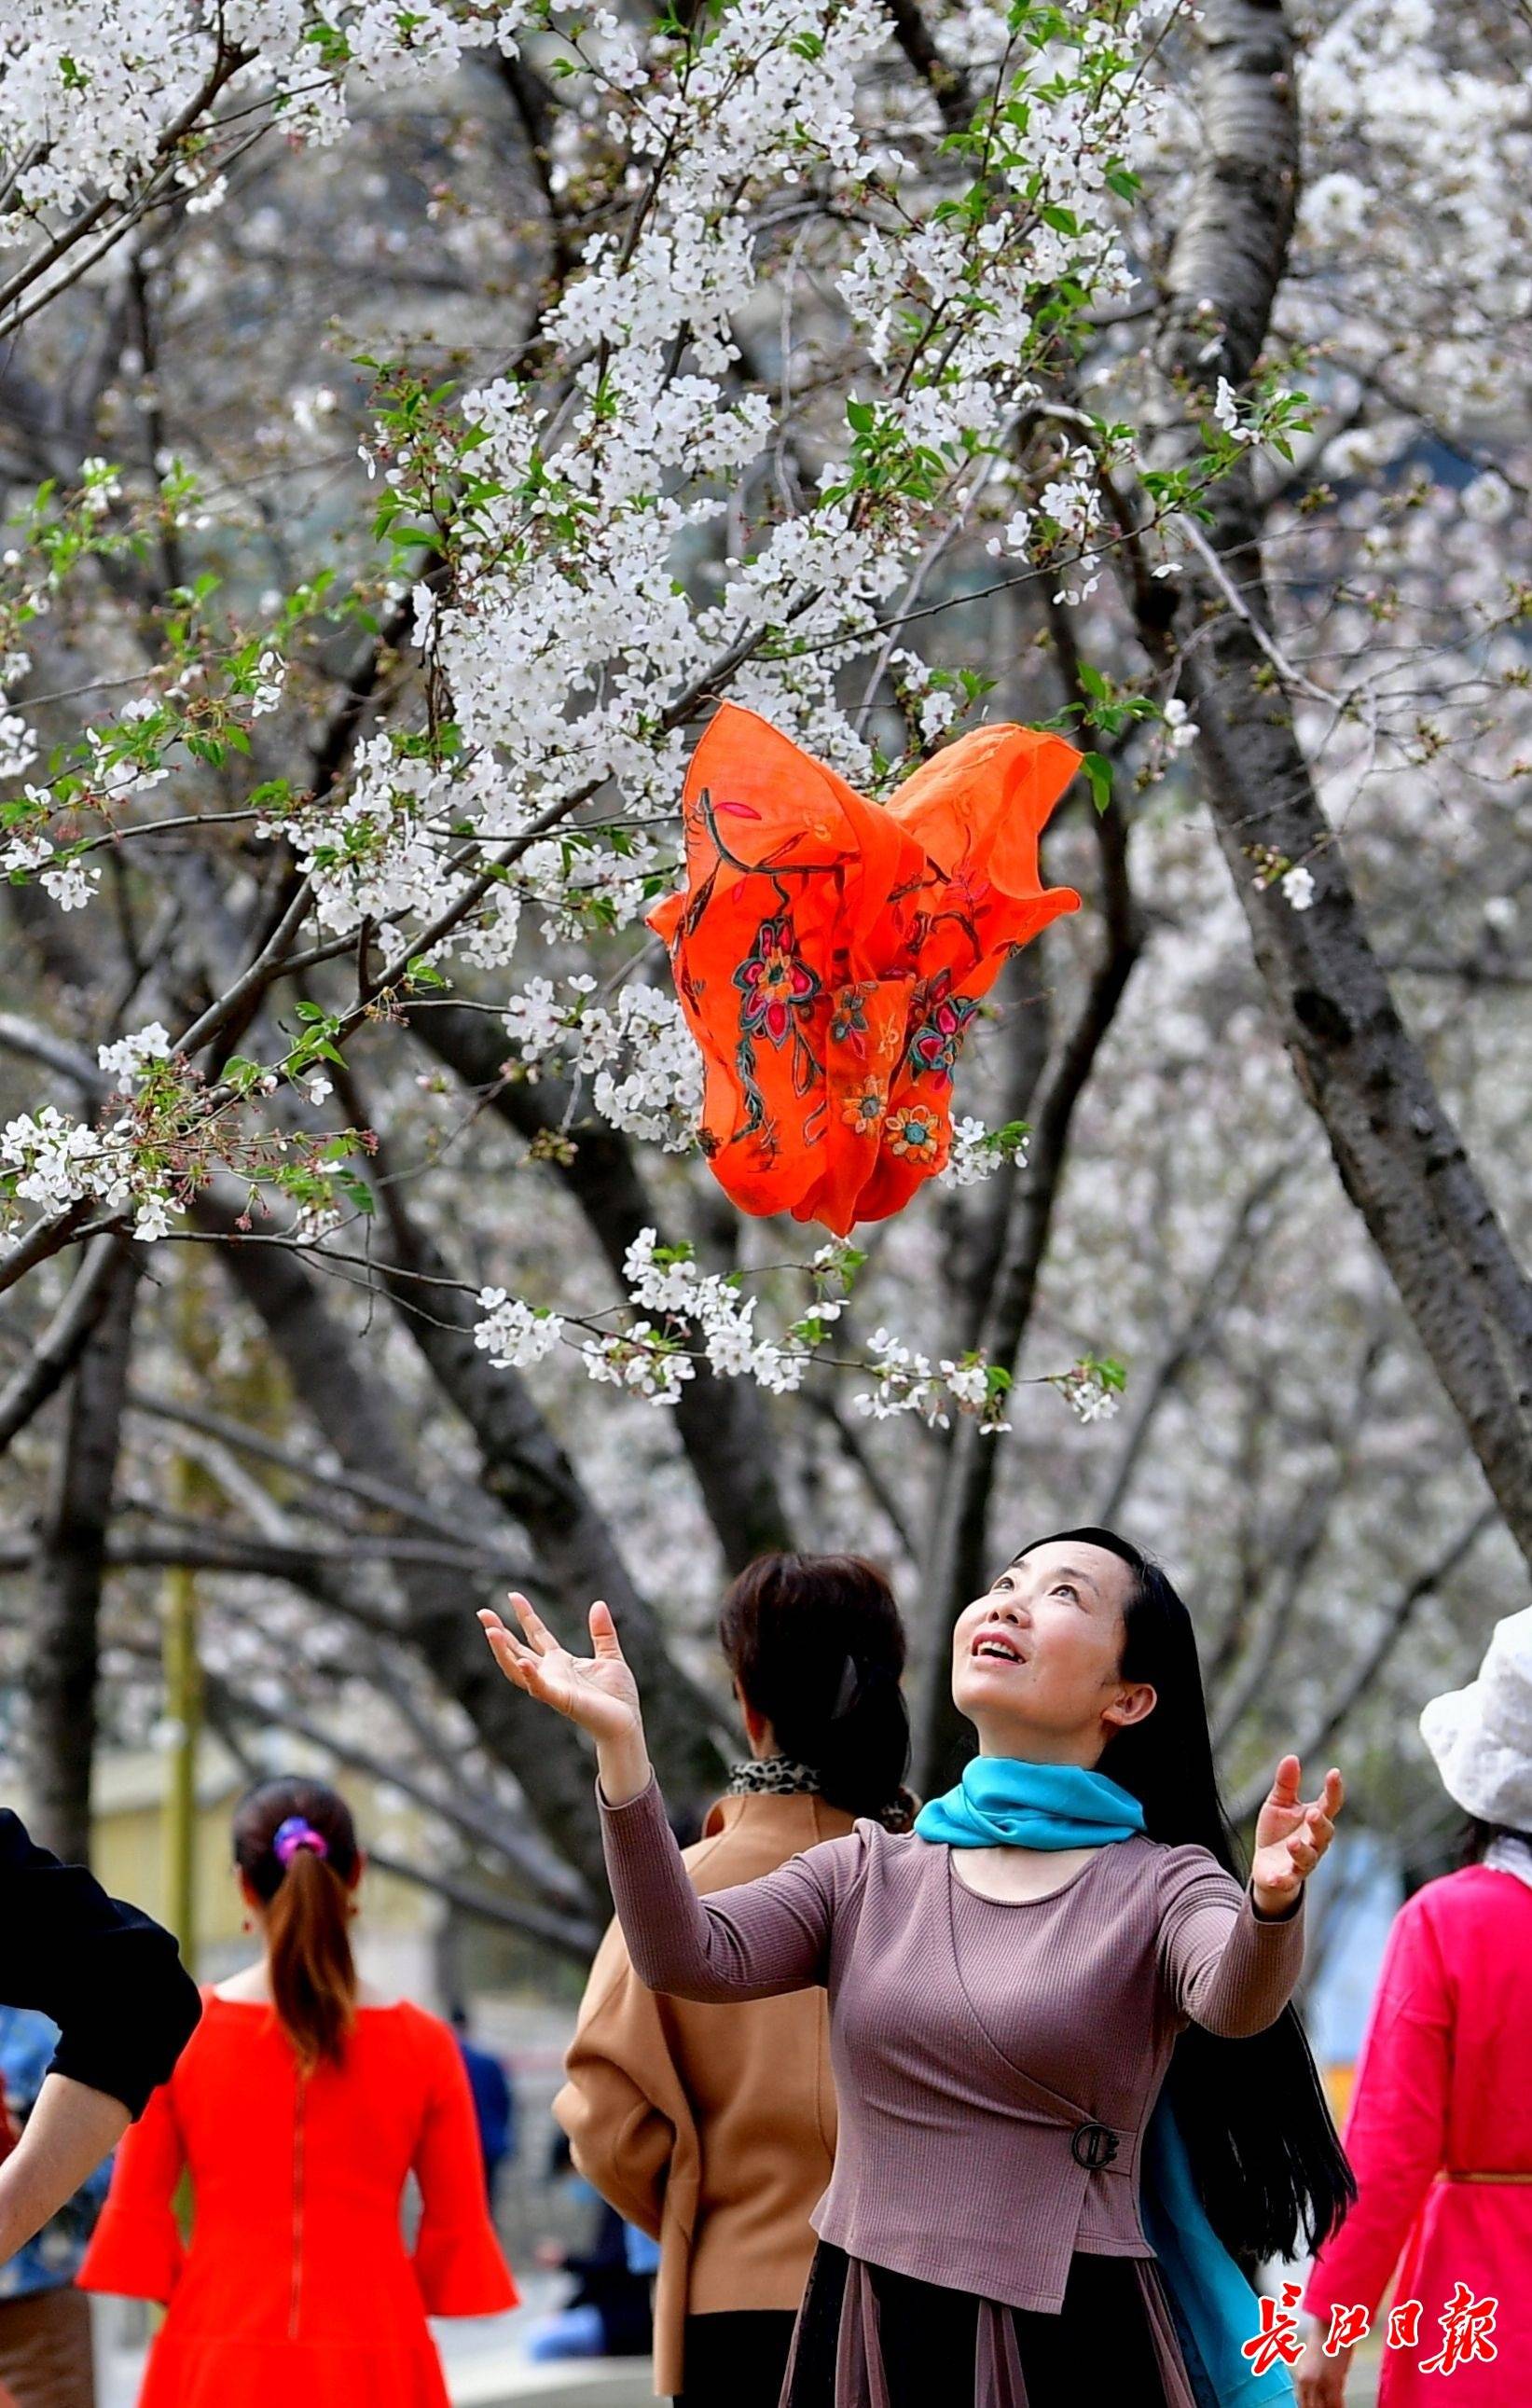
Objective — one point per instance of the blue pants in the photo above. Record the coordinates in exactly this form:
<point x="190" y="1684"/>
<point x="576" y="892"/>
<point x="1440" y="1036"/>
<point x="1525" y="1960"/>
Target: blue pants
<point x="578" y="2332"/>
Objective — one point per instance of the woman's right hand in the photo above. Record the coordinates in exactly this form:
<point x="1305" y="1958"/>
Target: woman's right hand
<point x="596" y="1691"/>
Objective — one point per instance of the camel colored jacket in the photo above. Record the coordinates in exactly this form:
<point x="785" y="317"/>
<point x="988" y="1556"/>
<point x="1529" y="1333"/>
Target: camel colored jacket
<point x="711" y="2128"/>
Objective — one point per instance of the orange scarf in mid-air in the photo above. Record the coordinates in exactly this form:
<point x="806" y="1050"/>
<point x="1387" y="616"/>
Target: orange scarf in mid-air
<point x="829" y="954"/>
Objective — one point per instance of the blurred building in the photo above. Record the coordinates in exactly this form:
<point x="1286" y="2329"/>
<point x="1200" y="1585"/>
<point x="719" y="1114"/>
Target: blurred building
<point x="399" y="1934"/>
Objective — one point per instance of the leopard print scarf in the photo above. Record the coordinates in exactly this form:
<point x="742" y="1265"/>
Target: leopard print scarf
<point x="772" y="1776"/>
<point x="779" y="1776"/>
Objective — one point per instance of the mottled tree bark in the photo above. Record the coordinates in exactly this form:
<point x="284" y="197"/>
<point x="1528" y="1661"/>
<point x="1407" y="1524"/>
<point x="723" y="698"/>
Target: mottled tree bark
<point x="1400" y="1158"/>
<point x="62" y="1642"/>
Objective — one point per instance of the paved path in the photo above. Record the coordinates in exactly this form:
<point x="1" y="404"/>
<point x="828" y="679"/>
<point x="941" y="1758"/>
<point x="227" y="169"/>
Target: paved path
<point x="496" y="2376"/>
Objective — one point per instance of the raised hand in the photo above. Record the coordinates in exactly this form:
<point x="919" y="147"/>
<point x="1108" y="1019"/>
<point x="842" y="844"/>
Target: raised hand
<point x="598" y="1691"/>
<point x="1290" y="1837"/>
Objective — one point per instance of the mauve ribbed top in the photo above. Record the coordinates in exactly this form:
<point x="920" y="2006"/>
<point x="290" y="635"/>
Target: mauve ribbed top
<point x="971" y="2040"/>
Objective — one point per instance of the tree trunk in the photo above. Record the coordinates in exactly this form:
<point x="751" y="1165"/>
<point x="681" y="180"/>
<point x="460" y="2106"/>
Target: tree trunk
<point x="723" y="1425"/>
<point x="527" y="1470"/>
<point x="344" y="1399"/>
<point x="1400" y="1158"/>
<point x="64" y="1650"/>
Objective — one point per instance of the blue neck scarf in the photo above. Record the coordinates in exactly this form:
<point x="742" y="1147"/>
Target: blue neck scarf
<point x="1002" y="1802"/>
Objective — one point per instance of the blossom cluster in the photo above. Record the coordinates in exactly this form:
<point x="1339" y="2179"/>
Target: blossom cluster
<point x="680" y="1315"/>
<point x="906" y="1382"/>
<point x="55" y="1162"/>
<point x="669" y="1282"/>
<point x="638" y="1052"/>
<point x="91" y="89"/>
<point x="978" y="1153"/>
<point x="1092" y="1389"/>
<point x="512" y="1333"/>
<point x="128" y="1057"/>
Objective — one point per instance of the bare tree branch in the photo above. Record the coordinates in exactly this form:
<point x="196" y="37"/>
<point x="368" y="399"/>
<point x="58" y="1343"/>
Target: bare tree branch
<point x="39" y="1044"/>
<point x="721" y="1424"/>
<point x="1336" y="1712"/>
<point x="1220" y="1286"/>
<point x="569" y="1934"/>
<point x="62" y="1344"/>
<point x="377" y="1494"/>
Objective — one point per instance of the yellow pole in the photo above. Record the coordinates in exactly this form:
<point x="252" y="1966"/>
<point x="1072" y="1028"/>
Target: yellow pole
<point x="183" y="1677"/>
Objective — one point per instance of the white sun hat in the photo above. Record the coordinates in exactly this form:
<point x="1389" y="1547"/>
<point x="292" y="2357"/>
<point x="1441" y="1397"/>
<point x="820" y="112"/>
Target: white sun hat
<point x="1481" y="1736"/>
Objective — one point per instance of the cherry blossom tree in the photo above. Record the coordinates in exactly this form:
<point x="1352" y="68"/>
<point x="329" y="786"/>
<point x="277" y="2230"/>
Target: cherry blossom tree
<point x="413" y="422"/>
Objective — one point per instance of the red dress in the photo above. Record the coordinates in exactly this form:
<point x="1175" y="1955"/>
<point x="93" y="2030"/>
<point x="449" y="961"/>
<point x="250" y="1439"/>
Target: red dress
<point x="829" y="954"/>
<point x="297" y="2290"/>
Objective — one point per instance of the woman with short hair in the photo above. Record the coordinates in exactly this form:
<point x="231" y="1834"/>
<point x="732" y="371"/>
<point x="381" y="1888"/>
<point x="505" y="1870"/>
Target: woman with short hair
<point x="713" y="2127"/>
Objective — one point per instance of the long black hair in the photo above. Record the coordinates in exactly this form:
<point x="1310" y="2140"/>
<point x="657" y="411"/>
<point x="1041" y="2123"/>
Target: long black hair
<point x="1477" y="1837"/>
<point x="817" y="1647"/>
<point x="1267" y="2159"/>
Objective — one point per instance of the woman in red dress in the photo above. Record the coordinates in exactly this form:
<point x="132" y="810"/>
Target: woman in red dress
<point x="298" y="2110"/>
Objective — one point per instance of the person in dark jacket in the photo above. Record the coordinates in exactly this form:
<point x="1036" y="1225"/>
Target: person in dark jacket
<point x="114" y="1983"/>
<point x="494" y="2102"/>
<point x="609" y="2313"/>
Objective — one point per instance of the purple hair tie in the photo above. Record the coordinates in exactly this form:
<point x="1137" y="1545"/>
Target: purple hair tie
<point x="294" y="1834"/>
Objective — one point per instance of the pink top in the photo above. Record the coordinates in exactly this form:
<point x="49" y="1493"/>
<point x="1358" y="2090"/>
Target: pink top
<point x="1443" y="2086"/>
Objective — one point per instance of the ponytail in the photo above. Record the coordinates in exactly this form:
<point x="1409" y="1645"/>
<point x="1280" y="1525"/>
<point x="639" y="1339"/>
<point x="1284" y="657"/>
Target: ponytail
<point x="817" y="1647"/>
<point x="295" y="1843"/>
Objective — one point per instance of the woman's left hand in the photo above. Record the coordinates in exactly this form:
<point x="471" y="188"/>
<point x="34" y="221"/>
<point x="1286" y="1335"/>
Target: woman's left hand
<point x="1290" y="1837"/>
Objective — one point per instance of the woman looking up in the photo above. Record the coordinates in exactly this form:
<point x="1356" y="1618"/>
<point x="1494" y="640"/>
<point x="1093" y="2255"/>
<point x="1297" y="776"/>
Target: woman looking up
<point x="302" y="2105"/>
<point x="713" y="2128"/>
<point x="1008" y="1988"/>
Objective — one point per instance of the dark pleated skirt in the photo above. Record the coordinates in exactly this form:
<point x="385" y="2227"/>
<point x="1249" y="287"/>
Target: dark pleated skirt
<point x="736" y="2358"/>
<point x="1098" y="2347"/>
